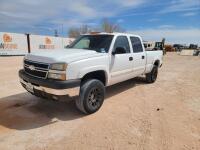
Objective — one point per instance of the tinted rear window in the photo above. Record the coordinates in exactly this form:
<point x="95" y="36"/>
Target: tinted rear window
<point x="136" y="44"/>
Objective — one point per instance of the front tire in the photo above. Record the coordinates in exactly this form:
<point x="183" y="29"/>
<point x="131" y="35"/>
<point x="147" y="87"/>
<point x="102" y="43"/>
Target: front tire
<point x="91" y="96"/>
<point x="152" y="76"/>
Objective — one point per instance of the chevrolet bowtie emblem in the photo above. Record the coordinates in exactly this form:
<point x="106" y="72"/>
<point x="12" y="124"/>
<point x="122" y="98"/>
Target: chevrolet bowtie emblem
<point x="31" y="67"/>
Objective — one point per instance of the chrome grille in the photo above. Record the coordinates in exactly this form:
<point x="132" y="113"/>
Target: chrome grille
<point x="36" y="69"/>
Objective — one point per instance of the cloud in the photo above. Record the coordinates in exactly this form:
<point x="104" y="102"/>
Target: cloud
<point x="23" y="14"/>
<point x="82" y="9"/>
<point x="166" y="26"/>
<point x="153" y="20"/>
<point x="129" y="3"/>
<point x="184" y="36"/>
<point x="182" y="6"/>
<point x="189" y="14"/>
<point x="120" y="20"/>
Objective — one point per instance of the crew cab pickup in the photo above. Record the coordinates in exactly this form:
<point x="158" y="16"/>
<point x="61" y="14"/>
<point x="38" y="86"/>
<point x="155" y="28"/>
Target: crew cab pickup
<point x="91" y="63"/>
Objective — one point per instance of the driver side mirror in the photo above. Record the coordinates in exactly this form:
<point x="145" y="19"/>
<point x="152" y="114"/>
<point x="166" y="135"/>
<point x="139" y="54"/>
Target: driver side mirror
<point x="119" y="50"/>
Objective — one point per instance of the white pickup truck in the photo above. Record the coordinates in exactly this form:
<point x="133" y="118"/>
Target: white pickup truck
<point x="91" y="63"/>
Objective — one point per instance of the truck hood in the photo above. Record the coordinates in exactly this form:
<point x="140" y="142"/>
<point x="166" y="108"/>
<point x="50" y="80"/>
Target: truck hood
<point x="67" y="55"/>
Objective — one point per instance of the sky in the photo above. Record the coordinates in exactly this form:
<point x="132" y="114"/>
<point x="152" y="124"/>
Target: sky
<point x="176" y="20"/>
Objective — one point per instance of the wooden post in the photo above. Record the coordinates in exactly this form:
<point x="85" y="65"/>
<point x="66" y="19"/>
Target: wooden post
<point x="28" y="42"/>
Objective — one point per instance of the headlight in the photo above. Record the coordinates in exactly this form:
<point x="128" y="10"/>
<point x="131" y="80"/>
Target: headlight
<point x="57" y="76"/>
<point x="57" y="71"/>
<point x="58" y="66"/>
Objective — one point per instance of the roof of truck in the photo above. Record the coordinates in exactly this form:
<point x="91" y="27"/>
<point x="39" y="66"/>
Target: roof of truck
<point x="114" y="33"/>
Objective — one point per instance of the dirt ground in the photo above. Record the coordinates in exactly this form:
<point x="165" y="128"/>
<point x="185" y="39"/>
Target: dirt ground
<point x="135" y="115"/>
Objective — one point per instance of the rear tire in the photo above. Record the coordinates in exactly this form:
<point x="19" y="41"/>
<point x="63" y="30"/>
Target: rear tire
<point x="91" y="96"/>
<point x="152" y="76"/>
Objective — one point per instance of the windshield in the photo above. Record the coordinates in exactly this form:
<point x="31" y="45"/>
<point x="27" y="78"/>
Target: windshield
<point x="98" y="43"/>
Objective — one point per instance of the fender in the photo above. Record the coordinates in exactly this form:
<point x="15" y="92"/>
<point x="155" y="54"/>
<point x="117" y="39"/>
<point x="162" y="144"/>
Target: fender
<point x="90" y="69"/>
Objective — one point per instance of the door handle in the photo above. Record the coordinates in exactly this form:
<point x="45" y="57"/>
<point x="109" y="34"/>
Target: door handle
<point x="130" y="58"/>
<point x="143" y="57"/>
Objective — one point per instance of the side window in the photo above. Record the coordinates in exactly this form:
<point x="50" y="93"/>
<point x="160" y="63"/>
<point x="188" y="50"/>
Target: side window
<point x="137" y="45"/>
<point x="122" y="41"/>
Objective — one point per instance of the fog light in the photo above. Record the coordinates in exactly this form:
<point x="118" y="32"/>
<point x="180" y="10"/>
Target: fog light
<point x="54" y="97"/>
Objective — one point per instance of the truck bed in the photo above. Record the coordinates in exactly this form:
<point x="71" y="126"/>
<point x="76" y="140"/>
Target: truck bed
<point x="151" y="57"/>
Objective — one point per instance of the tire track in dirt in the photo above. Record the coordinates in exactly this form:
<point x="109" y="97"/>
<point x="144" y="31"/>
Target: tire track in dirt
<point x="164" y="130"/>
<point x="144" y="124"/>
<point x="154" y="119"/>
<point x="145" y="129"/>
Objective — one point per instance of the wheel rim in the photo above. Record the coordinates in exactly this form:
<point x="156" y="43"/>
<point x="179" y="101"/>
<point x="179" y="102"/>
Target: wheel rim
<point x="94" y="98"/>
<point x="154" y="74"/>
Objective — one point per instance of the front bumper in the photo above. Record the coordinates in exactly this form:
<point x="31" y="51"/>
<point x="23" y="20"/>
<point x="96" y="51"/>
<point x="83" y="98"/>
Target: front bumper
<point x="47" y="86"/>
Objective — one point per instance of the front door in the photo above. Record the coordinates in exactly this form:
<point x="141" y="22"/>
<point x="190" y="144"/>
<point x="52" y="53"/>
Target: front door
<point x="121" y="64"/>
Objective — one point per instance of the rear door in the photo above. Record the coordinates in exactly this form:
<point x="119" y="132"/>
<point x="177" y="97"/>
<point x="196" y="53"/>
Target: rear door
<point x="139" y="56"/>
<point x="121" y="65"/>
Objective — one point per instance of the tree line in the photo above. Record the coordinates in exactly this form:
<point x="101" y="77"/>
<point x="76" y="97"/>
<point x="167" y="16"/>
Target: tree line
<point x="105" y="26"/>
